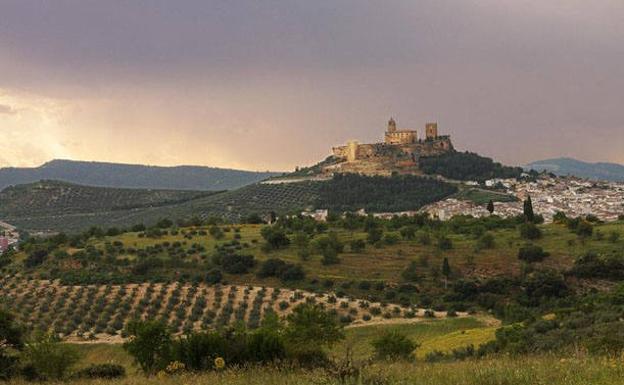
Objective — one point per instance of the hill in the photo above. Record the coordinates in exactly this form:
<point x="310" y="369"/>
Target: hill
<point x="133" y="176"/>
<point x="61" y="198"/>
<point x="59" y="206"/>
<point x="568" y="166"/>
<point x="466" y="166"/>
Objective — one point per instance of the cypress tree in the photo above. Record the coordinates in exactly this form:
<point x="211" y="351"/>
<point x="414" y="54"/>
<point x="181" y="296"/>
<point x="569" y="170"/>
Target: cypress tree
<point x="529" y="215"/>
<point x="490" y="207"/>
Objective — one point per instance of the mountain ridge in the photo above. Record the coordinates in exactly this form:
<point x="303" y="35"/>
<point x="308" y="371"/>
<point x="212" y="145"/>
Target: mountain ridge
<point x="121" y="175"/>
<point x="565" y="166"/>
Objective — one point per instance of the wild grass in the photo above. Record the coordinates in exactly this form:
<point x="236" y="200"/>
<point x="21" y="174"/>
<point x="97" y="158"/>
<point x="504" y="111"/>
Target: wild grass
<point x="540" y="370"/>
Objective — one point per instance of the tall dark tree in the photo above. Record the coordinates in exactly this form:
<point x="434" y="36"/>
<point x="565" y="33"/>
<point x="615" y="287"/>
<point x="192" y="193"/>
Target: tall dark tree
<point x="490" y="207"/>
<point x="529" y="215"/>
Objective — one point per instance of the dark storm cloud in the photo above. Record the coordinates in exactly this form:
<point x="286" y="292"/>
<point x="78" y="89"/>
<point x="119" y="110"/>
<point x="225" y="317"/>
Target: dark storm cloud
<point x="517" y="80"/>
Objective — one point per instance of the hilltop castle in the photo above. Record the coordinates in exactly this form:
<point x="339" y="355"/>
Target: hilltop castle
<point x="399" y="153"/>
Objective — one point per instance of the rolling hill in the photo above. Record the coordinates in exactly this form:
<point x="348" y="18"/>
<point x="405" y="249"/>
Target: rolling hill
<point x="133" y="176"/>
<point x="60" y="206"/>
<point x="568" y="166"/>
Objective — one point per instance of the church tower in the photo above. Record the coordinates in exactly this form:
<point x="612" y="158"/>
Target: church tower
<point x="392" y="125"/>
<point x="431" y="131"/>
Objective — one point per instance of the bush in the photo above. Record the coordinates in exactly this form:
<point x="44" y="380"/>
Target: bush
<point x="237" y="264"/>
<point x="275" y="237"/>
<point x="532" y="253"/>
<point x="213" y="276"/>
<point x="275" y="267"/>
<point x="49" y="358"/>
<point x="35" y="258"/>
<point x="357" y="246"/>
<point x="394" y="345"/>
<point x="486" y="241"/>
<point x="530" y="231"/>
<point x="149" y="345"/>
<point x="584" y="229"/>
<point x="444" y="243"/>
<point x="11" y="337"/>
<point x="106" y="371"/>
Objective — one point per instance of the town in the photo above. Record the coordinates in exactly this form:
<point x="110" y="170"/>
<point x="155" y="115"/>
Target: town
<point x="549" y="194"/>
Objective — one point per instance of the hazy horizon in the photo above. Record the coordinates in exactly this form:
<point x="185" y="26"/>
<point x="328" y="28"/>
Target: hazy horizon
<point x="273" y="85"/>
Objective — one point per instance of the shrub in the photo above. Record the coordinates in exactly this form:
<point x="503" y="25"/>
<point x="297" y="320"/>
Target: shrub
<point x="584" y="229"/>
<point x="394" y="345"/>
<point x="391" y="239"/>
<point x="309" y="325"/>
<point x="532" y="253"/>
<point x="213" y="276"/>
<point x="357" y="245"/>
<point x="275" y="238"/>
<point x="49" y="358"/>
<point x="150" y="344"/>
<point x="35" y="258"/>
<point x="275" y="267"/>
<point x="486" y="241"/>
<point x="530" y="231"/>
<point x="11" y="337"/>
<point x="106" y="371"/>
<point x="444" y="243"/>
<point x="237" y="264"/>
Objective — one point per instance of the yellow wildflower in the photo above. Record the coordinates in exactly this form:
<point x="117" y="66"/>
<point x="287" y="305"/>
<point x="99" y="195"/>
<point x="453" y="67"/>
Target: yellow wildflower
<point x="219" y="363"/>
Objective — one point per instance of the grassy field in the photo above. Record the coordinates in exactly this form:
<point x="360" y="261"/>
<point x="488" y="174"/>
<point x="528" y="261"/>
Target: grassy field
<point x="482" y="197"/>
<point x="542" y="370"/>
<point x="390" y="260"/>
<point x="440" y="335"/>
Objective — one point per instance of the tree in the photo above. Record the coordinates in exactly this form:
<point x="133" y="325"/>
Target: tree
<point x="584" y="229"/>
<point x="149" y="344"/>
<point x="275" y="237"/>
<point x="10" y="344"/>
<point x="490" y="207"/>
<point x="529" y="215"/>
<point x="311" y="327"/>
<point x="375" y="234"/>
<point x="50" y="359"/>
<point x="408" y="232"/>
<point x="216" y="232"/>
<point x="357" y="245"/>
<point x="446" y="271"/>
<point x="329" y="246"/>
<point x="394" y="345"/>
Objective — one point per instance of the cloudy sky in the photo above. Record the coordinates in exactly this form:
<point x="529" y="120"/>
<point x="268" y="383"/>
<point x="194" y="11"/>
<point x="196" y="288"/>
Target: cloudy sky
<point x="274" y="84"/>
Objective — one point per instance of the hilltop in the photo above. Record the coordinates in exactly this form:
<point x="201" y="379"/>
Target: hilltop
<point x="133" y="176"/>
<point x="567" y="166"/>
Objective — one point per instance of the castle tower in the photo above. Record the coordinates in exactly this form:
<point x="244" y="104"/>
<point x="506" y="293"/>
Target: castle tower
<point x="392" y="125"/>
<point x="431" y="131"/>
<point x="352" y="148"/>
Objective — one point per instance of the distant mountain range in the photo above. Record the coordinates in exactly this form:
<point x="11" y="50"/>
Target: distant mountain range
<point x="133" y="176"/>
<point x="568" y="166"/>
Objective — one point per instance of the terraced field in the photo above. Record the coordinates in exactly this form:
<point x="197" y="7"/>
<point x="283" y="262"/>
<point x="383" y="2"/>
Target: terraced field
<point x="60" y="198"/>
<point x="58" y="206"/>
<point x="99" y="313"/>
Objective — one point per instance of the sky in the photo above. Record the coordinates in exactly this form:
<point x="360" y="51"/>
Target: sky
<point x="273" y="85"/>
